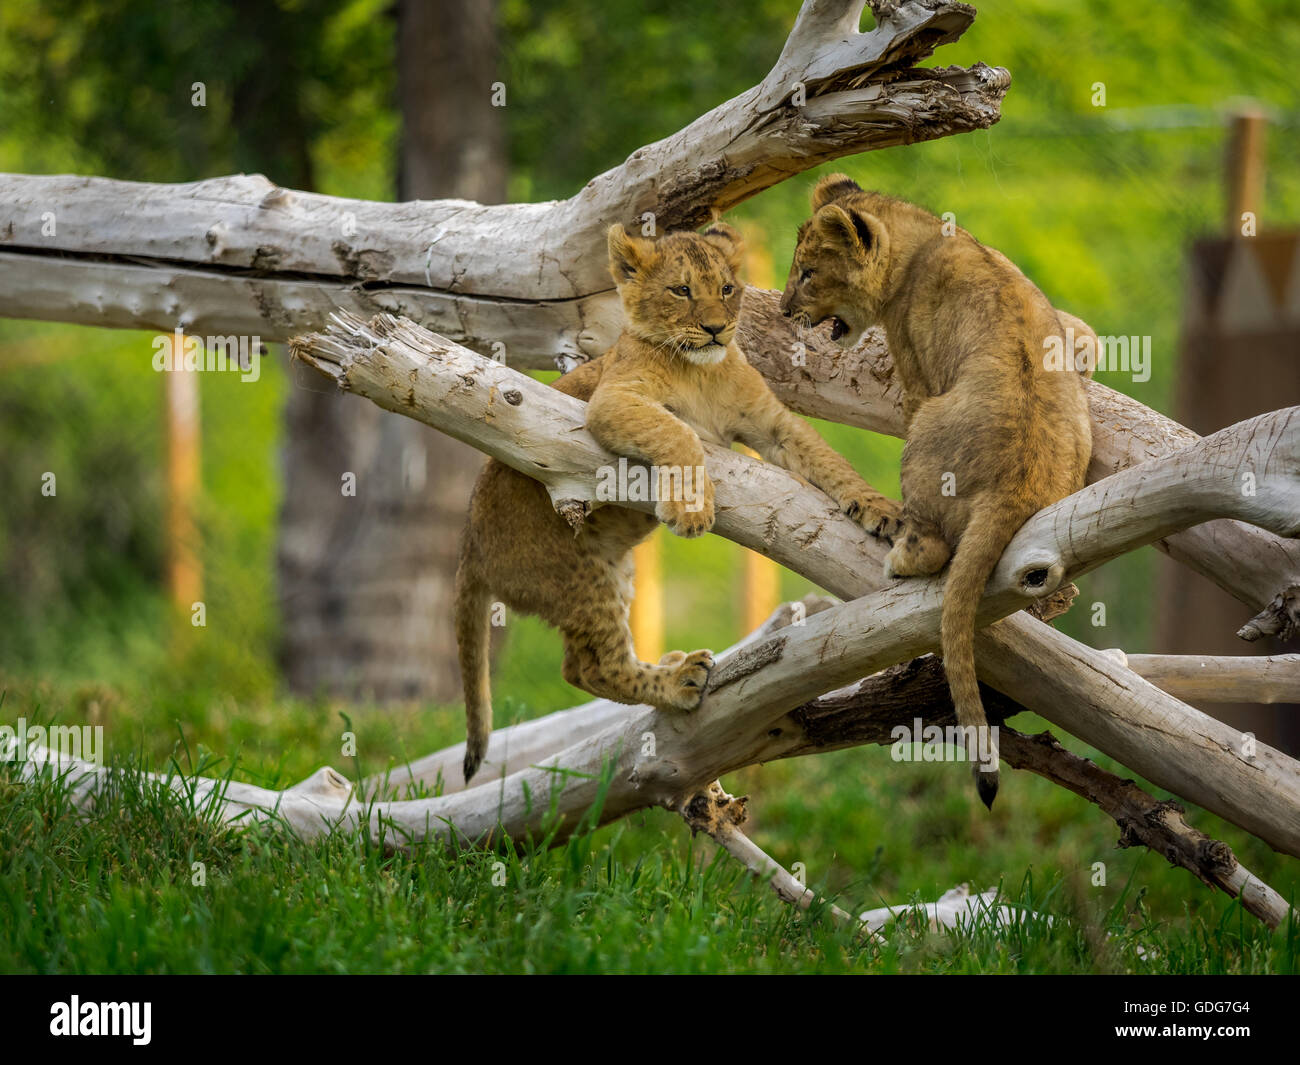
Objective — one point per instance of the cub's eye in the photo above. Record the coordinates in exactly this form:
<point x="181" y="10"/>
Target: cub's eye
<point x="681" y="290"/>
<point x="805" y="276"/>
<point x="727" y="290"/>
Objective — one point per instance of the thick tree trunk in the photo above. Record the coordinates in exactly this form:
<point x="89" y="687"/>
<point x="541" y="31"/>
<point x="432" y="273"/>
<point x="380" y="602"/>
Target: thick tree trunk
<point x="453" y="139"/>
<point x="377" y="625"/>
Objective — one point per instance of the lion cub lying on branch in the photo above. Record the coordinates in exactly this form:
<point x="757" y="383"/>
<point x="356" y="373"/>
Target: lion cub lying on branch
<point x="674" y="376"/>
<point x="993" y="435"/>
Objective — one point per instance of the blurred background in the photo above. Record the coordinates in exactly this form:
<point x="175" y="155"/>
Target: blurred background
<point x="1112" y="160"/>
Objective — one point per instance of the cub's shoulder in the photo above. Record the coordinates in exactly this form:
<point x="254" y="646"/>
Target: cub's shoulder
<point x="581" y="381"/>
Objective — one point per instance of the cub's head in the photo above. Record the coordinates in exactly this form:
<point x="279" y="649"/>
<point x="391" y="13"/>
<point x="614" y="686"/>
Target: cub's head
<point x="680" y="292"/>
<point x="839" y="263"/>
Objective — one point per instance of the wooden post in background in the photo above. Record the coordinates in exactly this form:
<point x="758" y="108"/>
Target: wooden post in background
<point x="646" y="618"/>
<point x="181" y="429"/>
<point x="1240" y="334"/>
<point x="761" y="581"/>
<point x="1245" y="167"/>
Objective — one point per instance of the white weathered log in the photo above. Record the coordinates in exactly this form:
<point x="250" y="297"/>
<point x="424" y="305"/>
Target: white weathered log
<point x="540" y="432"/>
<point x="307" y="808"/>
<point x="241" y="255"/>
<point x="529" y="426"/>
<point x="1219" y="678"/>
<point x="410" y="371"/>
<point x="207" y="303"/>
<point x="956" y="908"/>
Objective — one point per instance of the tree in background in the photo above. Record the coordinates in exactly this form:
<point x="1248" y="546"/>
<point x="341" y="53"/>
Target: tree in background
<point x="366" y="577"/>
<point x="117" y="80"/>
<point x="153" y="92"/>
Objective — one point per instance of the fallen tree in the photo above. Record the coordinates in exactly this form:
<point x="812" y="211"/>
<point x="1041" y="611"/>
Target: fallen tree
<point x="540" y="432"/>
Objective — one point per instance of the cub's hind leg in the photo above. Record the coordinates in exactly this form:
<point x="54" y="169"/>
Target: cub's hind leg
<point x="919" y="550"/>
<point x="599" y="658"/>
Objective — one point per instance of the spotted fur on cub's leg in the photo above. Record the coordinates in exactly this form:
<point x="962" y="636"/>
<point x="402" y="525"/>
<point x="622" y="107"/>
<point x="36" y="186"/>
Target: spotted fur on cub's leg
<point x="605" y="664"/>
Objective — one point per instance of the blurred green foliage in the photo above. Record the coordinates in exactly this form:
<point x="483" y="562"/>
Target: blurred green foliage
<point x="298" y="89"/>
<point x="1096" y="204"/>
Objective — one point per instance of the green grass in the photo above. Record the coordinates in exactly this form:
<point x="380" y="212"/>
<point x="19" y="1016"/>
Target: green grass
<point x="116" y="892"/>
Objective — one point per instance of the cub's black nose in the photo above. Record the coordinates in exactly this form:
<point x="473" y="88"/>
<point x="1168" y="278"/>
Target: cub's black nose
<point x="785" y="312"/>
<point x="714" y="330"/>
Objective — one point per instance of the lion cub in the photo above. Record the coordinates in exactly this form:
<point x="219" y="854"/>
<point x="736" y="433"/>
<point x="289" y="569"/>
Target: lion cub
<point x="674" y="376"/>
<point x="993" y="435"/>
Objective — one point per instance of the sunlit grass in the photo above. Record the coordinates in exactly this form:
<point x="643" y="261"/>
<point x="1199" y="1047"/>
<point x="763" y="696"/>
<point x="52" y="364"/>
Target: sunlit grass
<point x="117" y="892"/>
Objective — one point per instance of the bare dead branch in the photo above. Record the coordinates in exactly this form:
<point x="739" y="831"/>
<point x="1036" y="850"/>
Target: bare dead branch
<point x="1220" y="679"/>
<point x="719" y="816"/>
<point x="241" y="255"/>
<point x="917" y="692"/>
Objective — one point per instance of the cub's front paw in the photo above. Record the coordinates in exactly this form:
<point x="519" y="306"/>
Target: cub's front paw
<point x="686" y="519"/>
<point x="881" y="516"/>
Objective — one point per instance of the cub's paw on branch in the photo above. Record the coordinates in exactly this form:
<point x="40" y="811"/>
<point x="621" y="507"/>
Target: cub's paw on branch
<point x="684" y="687"/>
<point x="879" y="515"/>
<point x="688" y="518"/>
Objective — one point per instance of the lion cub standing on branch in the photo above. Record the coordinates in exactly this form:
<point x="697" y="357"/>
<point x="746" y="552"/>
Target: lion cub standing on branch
<point x="674" y="376"/>
<point x="993" y="435"/>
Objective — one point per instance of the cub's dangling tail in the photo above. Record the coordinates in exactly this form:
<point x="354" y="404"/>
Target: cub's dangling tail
<point x="991" y="526"/>
<point x="472" y="634"/>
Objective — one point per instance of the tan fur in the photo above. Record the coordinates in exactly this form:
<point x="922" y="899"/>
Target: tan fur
<point x="966" y="330"/>
<point x="675" y="376"/>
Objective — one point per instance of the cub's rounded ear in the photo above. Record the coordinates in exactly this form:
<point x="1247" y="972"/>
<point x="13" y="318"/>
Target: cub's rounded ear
<point x="857" y="232"/>
<point x="628" y="255"/>
<point x="831" y="188"/>
<point x="728" y="241"/>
